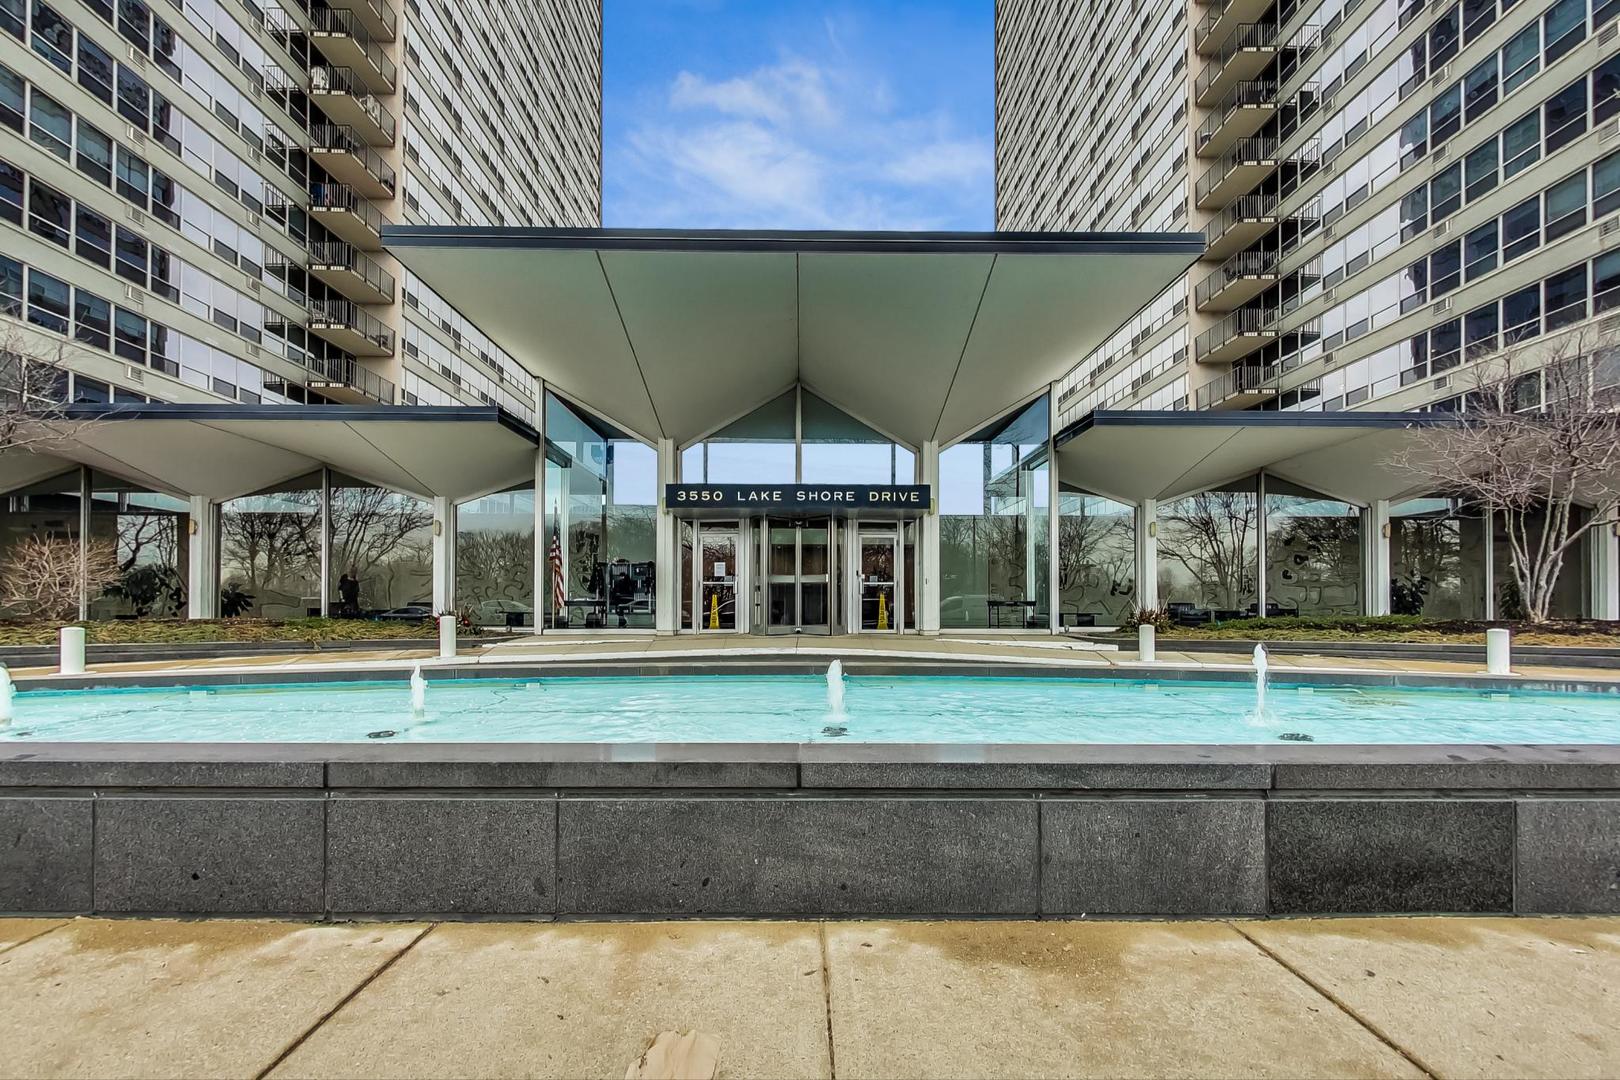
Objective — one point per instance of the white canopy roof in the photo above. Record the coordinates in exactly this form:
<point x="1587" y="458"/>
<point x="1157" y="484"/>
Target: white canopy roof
<point x="672" y="334"/>
<point x="1162" y="455"/>
<point x="227" y="450"/>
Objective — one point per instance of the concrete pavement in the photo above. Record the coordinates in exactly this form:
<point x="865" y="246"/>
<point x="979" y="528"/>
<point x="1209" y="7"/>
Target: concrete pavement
<point x="1345" y="997"/>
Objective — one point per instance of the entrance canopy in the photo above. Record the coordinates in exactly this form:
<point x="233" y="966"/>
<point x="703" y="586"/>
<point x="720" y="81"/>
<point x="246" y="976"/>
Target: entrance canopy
<point x="674" y="334"/>
<point x="1162" y="455"/>
<point x="226" y="450"/>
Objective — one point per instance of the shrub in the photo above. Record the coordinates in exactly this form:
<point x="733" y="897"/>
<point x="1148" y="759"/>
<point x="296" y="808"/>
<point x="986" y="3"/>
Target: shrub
<point x="1158" y="618"/>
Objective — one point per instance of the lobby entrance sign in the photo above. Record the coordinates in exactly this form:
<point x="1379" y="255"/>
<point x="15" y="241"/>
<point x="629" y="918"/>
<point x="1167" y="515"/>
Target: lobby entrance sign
<point x="778" y="498"/>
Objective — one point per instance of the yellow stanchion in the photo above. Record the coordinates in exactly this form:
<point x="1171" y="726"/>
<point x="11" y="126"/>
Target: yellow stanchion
<point x="714" y="611"/>
<point x="883" y="611"/>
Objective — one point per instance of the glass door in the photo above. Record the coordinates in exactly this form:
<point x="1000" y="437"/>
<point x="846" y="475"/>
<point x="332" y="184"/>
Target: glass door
<point x="717" y="579"/>
<point x="797" y="558"/>
<point x="877" y="579"/>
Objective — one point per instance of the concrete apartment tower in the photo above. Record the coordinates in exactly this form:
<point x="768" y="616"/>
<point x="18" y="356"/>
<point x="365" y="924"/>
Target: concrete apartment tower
<point x="1388" y="188"/>
<point x="193" y="191"/>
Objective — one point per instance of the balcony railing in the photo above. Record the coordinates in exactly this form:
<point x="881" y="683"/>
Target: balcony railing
<point x="1247" y="38"/>
<point x="347" y="315"/>
<point x="1254" y="151"/>
<point x="346" y="371"/>
<point x="379" y="13"/>
<point x="343" y="197"/>
<point x="341" y="139"/>
<point x="1238" y="382"/>
<point x="1245" y="208"/>
<point x="333" y="22"/>
<point x="1252" y="93"/>
<point x="1243" y="323"/>
<point x="1245" y="264"/>
<point x="326" y="80"/>
<point x="347" y="257"/>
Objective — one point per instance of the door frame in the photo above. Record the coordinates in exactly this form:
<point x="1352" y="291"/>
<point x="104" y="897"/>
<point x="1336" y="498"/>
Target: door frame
<point x="885" y="532"/>
<point x="738" y="533"/>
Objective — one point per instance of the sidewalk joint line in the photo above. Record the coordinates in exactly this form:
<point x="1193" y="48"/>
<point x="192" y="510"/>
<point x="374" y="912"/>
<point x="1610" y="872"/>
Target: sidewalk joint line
<point x="826" y="997"/>
<point x="1372" y="1028"/>
<point x="34" y="937"/>
<point x="320" y="1021"/>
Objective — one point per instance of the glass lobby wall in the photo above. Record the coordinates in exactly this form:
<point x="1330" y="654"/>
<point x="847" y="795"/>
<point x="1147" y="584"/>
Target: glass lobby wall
<point x="49" y="510"/>
<point x="994" y="496"/>
<point x="495" y="558"/>
<point x="382" y="542"/>
<point x="798" y="437"/>
<point x="1571" y="593"/>
<point x="1096" y="559"/>
<point x="839" y="449"/>
<point x="1209" y="551"/>
<point x="150" y="534"/>
<point x="600" y="522"/>
<point x="1313" y="553"/>
<point x="1437" y="560"/>
<point x="270" y="552"/>
<point x="759" y="448"/>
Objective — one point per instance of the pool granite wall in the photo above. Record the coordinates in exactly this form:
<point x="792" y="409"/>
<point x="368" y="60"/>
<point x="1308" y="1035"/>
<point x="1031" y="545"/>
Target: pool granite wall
<point x="770" y="830"/>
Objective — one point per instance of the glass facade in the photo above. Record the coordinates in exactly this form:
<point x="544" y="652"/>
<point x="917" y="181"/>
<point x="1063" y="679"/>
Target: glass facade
<point x="1313" y="553"/>
<point x="1209" y="552"/>
<point x="380" y="559"/>
<point x="270" y="552"/>
<point x="994" y="546"/>
<point x="495" y="558"/>
<point x="601" y="491"/>
<point x="1096" y="569"/>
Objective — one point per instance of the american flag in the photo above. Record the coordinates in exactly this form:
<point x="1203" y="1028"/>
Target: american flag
<point x="559" y="596"/>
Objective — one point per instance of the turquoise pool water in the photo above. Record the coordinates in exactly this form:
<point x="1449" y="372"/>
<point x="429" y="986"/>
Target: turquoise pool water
<point x="795" y="709"/>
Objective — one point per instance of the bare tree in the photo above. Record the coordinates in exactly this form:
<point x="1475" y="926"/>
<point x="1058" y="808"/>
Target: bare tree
<point x="1213" y="535"/>
<point x="1536" y="446"/>
<point x="40" y="575"/>
<point x="33" y="392"/>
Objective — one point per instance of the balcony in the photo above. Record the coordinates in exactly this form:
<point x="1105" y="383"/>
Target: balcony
<point x="377" y="16"/>
<point x="348" y="382"/>
<point x="1245" y="220"/>
<point x="1243" y="56"/>
<point x="1240" y="388"/>
<point x="338" y="150"/>
<point x="345" y="99"/>
<point x="1242" y="114"/>
<point x="1238" y="173"/>
<point x="1239" y="280"/>
<point x="1236" y="336"/>
<point x="1221" y="18"/>
<point x="350" y="217"/>
<point x="352" y="273"/>
<point x="348" y="326"/>
<point x="343" y="39"/>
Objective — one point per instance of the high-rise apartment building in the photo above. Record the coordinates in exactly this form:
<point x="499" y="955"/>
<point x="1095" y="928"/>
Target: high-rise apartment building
<point x="193" y="191"/>
<point x="1388" y="188"/>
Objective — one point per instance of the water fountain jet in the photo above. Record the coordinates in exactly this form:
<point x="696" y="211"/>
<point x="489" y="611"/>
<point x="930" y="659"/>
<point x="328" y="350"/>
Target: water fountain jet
<point x="7" y="690"/>
<point x="835" y="686"/>
<point x="1260" y="668"/>
<point x="418" y="692"/>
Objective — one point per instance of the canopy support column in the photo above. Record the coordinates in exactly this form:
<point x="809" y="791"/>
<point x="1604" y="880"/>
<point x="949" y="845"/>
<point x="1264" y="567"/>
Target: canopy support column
<point x="666" y="584"/>
<point x="1376" y="528"/>
<point x="202" y="569"/>
<point x="1605" y="572"/>
<point x="444" y="555"/>
<point x="928" y="549"/>
<point x="1147" y="554"/>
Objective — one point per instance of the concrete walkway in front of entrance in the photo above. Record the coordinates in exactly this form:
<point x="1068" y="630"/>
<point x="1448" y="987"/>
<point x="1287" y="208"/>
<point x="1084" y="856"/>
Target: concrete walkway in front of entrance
<point x="1036" y="650"/>
<point x="1394" y="997"/>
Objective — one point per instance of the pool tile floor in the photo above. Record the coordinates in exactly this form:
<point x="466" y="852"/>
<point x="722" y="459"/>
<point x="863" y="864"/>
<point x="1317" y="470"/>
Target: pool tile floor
<point x="1394" y="997"/>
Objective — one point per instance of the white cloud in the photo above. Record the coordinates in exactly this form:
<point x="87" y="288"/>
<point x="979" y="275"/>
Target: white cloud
<point x="949" y="161"/>
<point x="800" y="143"/>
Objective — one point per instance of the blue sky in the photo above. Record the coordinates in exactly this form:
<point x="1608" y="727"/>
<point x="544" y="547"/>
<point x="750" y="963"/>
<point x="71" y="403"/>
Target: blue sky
<point x="733" y="114"/>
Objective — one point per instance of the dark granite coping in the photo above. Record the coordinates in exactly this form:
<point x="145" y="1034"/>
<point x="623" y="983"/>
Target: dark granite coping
<point x="790" y="768"/>
<point x="854" y="664"/>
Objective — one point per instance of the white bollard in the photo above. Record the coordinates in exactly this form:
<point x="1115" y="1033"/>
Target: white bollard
<point x="71" y="652"/>
<point x="1498" y="652"/>
<point x="447" y="636"/>
<point x="1144" y="643"/>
